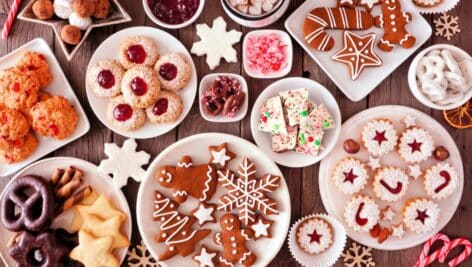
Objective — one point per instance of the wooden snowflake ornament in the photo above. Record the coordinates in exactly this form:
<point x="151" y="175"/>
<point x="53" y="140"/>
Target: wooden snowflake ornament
<point x="139" y="256"/>
<point x="447" y="26"/>
<point x="358" y="256"/>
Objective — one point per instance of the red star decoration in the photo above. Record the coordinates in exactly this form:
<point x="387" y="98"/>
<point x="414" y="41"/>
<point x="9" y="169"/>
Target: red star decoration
<point x="415" y="146"/>
<point x="349" y="176"/>
<point x="314" y="237"/>
<point x="422" y="216"/>
<point x="380" y="137"/>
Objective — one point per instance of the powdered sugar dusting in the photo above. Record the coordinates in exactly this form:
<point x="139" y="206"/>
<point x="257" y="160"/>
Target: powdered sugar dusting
<point x="370" y="211"/>
<point x="435" y="181"/>
<point x="345" y="166"/>
<point x="322" y="229"/>
<point x="370" y="131"/>
<point x="417" y="135"/>
<point x="392" y="177"/>
<point x="410" y="213"/>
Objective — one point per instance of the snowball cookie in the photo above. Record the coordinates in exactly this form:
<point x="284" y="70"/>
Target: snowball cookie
<point x="80" y="22"/>
<point x="104" y="78"/>
<point x="63" y="8"/>
<point x="84" y="8"/>
<point x="71" y="34"/>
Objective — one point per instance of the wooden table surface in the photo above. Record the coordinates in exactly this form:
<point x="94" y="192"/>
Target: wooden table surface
<point x="303" y="183"/>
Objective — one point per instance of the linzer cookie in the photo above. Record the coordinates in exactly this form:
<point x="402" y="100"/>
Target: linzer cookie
<point x="421" y="215"/>
<point x="441" y="180"/>
<point x="379" y="137"/>
<point x="320" y="19"/>
<point x="314" y="235"/>
<point x="295" y="103"/>
<point x="427" y="3"/>
<point x="350" y="176"/>
<point x="361" y="213"/>
<point x="272" y="117"/>
<point x="390" y="183"/>
<point x="416" y="145"/>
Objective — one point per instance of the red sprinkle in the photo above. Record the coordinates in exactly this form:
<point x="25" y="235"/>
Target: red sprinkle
<point x="266" y="53"/>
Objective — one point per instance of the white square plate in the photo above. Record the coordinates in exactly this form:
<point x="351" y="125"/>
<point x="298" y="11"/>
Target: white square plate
<point x="60" y="87"/>
<point x="370" y="78"/>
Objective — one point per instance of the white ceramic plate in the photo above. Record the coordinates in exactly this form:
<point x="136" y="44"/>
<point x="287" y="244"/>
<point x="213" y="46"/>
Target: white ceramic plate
<point x="370" y="78"/>
<point x="101" y="183"/>
<point x="165" y="43"/>
<point x="60" y="87"/>
<point x="197" y="147"/>
<point x="317" y="93"/>
<point x="334" y="201"/>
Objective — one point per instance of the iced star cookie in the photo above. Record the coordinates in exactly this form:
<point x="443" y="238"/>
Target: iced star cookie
<point x="220" y="155"/>
<point x="261" y="228"/>
<point x="138" y="51"/>
<point x="390" y="183"/>
<point x="350" y="176"/>
<point x="123" y="115"/>
<point x="104" y="78"/>
<point x="173" y="72"/>
<point x="140" y="87"/>
<point x="361" y="213"/>
<point x="314" y="235"/>
<point x="441" y="180"/>
<point x="166" y="109"/>
<point x="421" y="215"/>
<point x="379" y="137"/>
<point x="416" y="145"/>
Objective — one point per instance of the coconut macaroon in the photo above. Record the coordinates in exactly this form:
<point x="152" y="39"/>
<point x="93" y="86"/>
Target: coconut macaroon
<point x="140" y="87"/>
<point x="123" y="115"/>
<point x="167" y="108"/>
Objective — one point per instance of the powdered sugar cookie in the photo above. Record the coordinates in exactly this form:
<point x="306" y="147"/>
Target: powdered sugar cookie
<point x="105" y="78"/>
<point x="361" y="213"/>
<point x="421" y="215"/>
<point x="390" y="183"/>
<point x="441" y="180"/>
<point x="379" y="137"/>
<point x="350" y="176"/>
<point x="416" y="145"/>
<point x="138" y="51"/>
<point x="314" y="235"/>
<point x="173" y="71"/>
<point x="123" y="115"/>
<point x="140" y="87"/>
<point x="166" y="109"/>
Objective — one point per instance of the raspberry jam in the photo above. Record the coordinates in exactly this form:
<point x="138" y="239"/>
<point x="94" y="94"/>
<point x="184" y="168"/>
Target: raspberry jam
<point x="394" y="190"/>
<point x="160" y="107"/>
<point x="136" y="54"/>
<point x="447" y="180"/>
<point x="173" y="11"/>
<point x="106" y="79"/>
<point x="122" y="112"/>
<point x="359" y="220"/>
<point x="168" y="71"/>
<point x="139" y="86"/>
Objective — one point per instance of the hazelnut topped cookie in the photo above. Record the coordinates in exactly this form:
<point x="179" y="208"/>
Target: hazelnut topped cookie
<point x="138" y="51"/>
<point x="173" y="71"/>
<point x="104" y="78"/>
<point x="140" y="87"/>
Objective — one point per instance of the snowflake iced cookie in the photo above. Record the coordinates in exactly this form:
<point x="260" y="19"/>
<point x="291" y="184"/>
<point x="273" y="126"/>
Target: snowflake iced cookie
<point x="206" y="257"/>
<point x="361" y="213"/>
<point x="140" y="256"/>
<point x="358" y="256"/>
<point x="446" y="26"/>
<point x="202" y="186"/>
<point x="390" y="184"/>
<point x="421" y="215"/>
<point x="441" y="180"/>
<point x="205" y="213"/>
<point x="175" y="230"/>
<point x="350" y="176"/>
<point x="247" y="192"/>
<point x="216" y="43"/>
<point x="261" y="227"/>
<point x="220" y="155"/>
<point x="379" y="137"/>
<point x="124" y="162"/>
<point x="314" y="235"/>
<point x="416" y="145"/>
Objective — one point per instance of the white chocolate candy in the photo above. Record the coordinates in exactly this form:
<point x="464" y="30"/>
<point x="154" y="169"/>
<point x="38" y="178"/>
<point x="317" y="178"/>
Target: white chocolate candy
<point x="434" y="90"/>
<point x="80" y="22"/>
<point x="451" y="63"/>
<point x="431" y="68"/>
<point x="456" y="82"/>
<point x="63" y="8"/>
<point x="451" y="98"/>
<point x="466" y="68"/>
<point x="435" y="52"/>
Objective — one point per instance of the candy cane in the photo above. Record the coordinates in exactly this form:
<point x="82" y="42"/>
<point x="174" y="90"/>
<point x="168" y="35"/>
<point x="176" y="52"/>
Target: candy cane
<point x="10" y="18"/>
<point x="451" y="245"/>
<point x="425" y="258"/>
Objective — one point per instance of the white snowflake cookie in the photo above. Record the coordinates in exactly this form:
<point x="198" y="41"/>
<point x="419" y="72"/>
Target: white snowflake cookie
<point x="350" y="176"/>
<point x="361" y="213"/>
<point x="421" y="215"/>
<point x="390" y="184"/>
<point x="441" y="180"/>
<point x="314" y="235"/>
<point x="379" y="137"/>
<point x="416" y="145"/>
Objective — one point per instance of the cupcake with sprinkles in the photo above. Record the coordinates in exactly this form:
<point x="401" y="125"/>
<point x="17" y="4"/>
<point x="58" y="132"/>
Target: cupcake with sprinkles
<point x="390" y="184"/>
<point x="379" y="137"/>
<point x="421" y="215"/>
<point x="416" y="145"/>
<point x="314" y="235"/>
<point x="441" y="180"/>
<point x="350" y="176"/>
<point x="361" y="213"/>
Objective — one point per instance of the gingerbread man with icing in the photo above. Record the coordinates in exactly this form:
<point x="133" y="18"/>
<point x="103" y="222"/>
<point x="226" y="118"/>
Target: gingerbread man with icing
<point x="233" y="240"/>
<point x="187" y="180"/>
<point x="393" y="20"/>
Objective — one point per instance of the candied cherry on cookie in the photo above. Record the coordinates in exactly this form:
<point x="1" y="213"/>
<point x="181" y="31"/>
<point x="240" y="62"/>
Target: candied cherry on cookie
<point x="166" y="109"/>
<point x="123" y="115"/>
<point x="138" y="51"/>
<point x="173" y="71"/>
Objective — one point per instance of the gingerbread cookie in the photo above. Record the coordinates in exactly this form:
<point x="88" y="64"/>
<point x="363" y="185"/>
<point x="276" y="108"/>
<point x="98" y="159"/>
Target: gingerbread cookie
<point x="201" y="186"/>
<point x="205" y="213"/>
<point x="367" y="4"/>
<point x="206" y="257"/>
<point x="393" y="20"/>
<point x="320" y="19"/>
<point x="248" y="193"/>
<point x="220" y="155"/>
<point x="261" y="227"/>
<point x="176" y="229"/>
<point x="233" y="240"/>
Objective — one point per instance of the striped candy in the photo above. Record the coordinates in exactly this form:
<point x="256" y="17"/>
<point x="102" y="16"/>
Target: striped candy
<point x="426" y="258"/>
<point x="10" y="18"/>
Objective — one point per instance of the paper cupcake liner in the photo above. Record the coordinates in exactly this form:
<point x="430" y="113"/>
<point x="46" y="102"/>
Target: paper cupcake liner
<point x="326" y="258"/>
<point x="444" y="6"/>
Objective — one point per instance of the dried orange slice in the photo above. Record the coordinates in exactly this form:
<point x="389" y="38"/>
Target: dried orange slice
<point x="461" y="117"/>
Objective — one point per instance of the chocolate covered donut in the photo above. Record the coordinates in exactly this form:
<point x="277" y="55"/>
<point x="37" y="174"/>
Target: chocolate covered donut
<point x="34" y="199"/>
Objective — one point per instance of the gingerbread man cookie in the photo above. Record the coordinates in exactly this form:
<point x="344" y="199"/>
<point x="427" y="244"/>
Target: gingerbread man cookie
<point x="233" y="240"/>
<point x="186" y="180"/>
<point x="393" y="20"/>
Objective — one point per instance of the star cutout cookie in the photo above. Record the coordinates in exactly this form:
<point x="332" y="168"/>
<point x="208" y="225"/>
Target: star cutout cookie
<point x="388" y="214"/>
<point x="206" y="257"/>
<point x="220" y="155"/>
<point x="261" y="227"/>
<point x="415" y="171"/>
<point x="216" y="43"/>
<point x="374" y="163"/>
<point x="205" y="213"/>
<point x="124" y="162"/>
<point x="103" y="228"/>
<point x="93" y="251"/>
<point x="398" y="231"/>
<point x="101" y="208"/>
<point x="358" y="53"/>
<point x="409" y="121"/>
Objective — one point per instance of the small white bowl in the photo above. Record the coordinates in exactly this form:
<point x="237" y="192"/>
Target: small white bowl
<point x="205" y="83"/>
<point x="149" y="13"/>
<point x="286" y="39"/>
<point x="457" y="53"/>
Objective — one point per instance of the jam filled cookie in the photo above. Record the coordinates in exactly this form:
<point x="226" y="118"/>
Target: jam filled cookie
<point x="421" y="215"/>
<point x="18" y="91"/>
<point x="138" y="51"/>
<point x="361" y="213"/>
<point x="416" y="145"/>
<point x="123" y="115"/>
<point x="140" y="87"/>
<point x="105" y="78"/>
<point x="167" y="108"/>
<point x="379" y="137"/>
<point x="390" y="184"/>
<point x="173" y="71"/>
<point x="13" y="124"/>
<point x="441" y="180"/>
<point x="314" y="235"/>
<point x="350" y="176"/>
<point x="18" y="150"/>
<point x="54" y="117"/>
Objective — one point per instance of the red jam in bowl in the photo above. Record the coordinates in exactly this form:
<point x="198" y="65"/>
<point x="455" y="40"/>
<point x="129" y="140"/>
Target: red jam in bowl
<point x="174" y="11"/>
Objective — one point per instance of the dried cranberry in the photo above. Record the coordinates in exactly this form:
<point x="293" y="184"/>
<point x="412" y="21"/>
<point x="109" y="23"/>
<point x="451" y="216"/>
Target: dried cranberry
<point x="106" y="79"/>
<point x="136" y="54"/>
<point x="160" y="107"/>
<point x="168" y="71"/>
<point x="122" y="112"/>
<point x="139" y="86"/>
